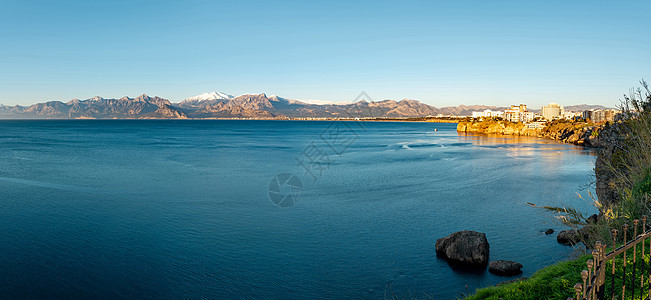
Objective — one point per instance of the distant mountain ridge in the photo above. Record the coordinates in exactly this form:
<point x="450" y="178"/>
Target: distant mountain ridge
<point x="141" y="107"/>
<point x="578" y="107"/>
<point x="466" y="110"/>
<point x="582" y="107"/>
<point x="222" y="105"/>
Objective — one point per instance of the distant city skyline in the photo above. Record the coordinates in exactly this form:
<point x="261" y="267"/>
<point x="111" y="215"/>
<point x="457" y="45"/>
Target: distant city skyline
<point x="443" y="54"/>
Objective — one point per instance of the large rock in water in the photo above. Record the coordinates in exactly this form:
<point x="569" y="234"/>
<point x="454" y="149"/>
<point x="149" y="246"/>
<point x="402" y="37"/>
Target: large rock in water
<point x="465" y="247"/>
<point x="504" y="267"/>
<point x="568" y="237"/>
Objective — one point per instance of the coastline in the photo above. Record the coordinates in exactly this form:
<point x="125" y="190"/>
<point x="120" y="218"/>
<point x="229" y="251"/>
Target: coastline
<point x="577" y="133"/>
<point x="414" y="119"/>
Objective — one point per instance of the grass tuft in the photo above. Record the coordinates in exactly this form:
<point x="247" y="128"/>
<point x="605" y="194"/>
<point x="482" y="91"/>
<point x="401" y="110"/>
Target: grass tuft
<point x="552" y="282"/>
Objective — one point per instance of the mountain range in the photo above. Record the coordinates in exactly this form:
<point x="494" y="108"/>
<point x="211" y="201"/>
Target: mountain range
<point x="222" y="105"/>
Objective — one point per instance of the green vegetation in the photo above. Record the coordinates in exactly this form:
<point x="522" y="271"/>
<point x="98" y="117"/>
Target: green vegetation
<point x="557" y="281"/>
<point x="629" y="274"/>
<point x="553" y="282"/>
<point x="630" y="163"/>
<point x="643" y="186"/>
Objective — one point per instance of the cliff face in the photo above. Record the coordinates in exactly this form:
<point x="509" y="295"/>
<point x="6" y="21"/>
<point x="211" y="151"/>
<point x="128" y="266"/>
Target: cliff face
<point x="567" y="132"/>
<point x="495" y="127"/>
<point x="577" y="133"/>
<point x="613" y="138"/>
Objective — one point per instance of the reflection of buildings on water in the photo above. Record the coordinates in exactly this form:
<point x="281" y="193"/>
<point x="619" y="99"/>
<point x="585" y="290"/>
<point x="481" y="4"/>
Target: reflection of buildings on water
<point x="531" y="152"/>
<point x="496" y="139"/>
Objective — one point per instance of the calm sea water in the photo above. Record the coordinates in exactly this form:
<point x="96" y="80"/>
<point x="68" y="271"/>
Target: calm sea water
<point x="180" y="209"/>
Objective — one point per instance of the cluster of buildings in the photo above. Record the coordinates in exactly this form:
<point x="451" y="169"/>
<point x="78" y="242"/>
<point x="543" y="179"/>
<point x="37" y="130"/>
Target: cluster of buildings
<point x="602" y="115"/>
<point x="549" y="112"/>
<point x="517" y="113"/>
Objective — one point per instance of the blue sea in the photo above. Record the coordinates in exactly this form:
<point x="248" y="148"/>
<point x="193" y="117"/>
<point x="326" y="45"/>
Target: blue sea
<point x="238" y="209"/>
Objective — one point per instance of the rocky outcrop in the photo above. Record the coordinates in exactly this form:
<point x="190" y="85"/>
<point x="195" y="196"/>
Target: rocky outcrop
<point x="577" y="133"/>
<point x="495" y="127"/>
<point x="464" y="247"/>
<point x="609" y="158"/>
<point x="569" y="132"/>
<point x="589" y="234"/>
<point x="505" y="267"/>
<point x="568" y="237"/>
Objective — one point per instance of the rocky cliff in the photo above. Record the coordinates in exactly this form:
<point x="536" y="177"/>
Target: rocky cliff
<point x="613" y="141"/>
<point x="577" y="133"/>
<point x="495" y="127"/>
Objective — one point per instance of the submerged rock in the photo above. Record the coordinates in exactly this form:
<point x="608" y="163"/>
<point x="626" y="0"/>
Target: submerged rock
<point x="505" y="267"/>
<point x="464" y="247"/>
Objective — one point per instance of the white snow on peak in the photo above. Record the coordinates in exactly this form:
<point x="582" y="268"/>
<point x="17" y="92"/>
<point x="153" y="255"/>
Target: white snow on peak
<point x="323" y="102"/>
<point x="210" y="96"/>
<point x="251" y="94"/>
<point x="224" y="96"/>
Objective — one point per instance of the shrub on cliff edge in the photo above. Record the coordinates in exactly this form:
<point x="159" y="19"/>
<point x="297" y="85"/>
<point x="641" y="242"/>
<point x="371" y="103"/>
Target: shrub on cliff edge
<point x="623" y="171"/>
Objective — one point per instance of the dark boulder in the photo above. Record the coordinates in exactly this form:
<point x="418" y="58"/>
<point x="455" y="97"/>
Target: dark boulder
<point x="549" y="231"/>
<point x="505" y="267"/>
<point x="588" y="234"/>
<point x="568" y="237"/>
<point x="585" y="232"/>
<point x="592" y="219"/>
<point x="464" y="247"/>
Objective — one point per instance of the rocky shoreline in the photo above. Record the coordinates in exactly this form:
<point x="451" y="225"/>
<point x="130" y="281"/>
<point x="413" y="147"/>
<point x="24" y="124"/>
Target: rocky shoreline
<point x="577" y="133"/>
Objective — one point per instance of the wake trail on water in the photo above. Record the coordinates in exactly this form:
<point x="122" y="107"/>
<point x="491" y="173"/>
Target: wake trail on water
<point x="62" y="187"/>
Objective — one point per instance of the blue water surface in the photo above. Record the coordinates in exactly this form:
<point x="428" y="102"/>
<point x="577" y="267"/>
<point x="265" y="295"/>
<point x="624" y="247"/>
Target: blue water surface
<point x="181" y="208"/>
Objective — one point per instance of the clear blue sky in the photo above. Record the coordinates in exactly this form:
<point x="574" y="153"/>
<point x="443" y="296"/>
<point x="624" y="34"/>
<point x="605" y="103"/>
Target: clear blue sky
<point x="443" y="53"/>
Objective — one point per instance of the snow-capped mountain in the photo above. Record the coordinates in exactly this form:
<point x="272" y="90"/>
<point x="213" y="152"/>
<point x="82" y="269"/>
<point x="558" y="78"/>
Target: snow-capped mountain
<point x="210" y="96"/>
<point x="322" y="102"/>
